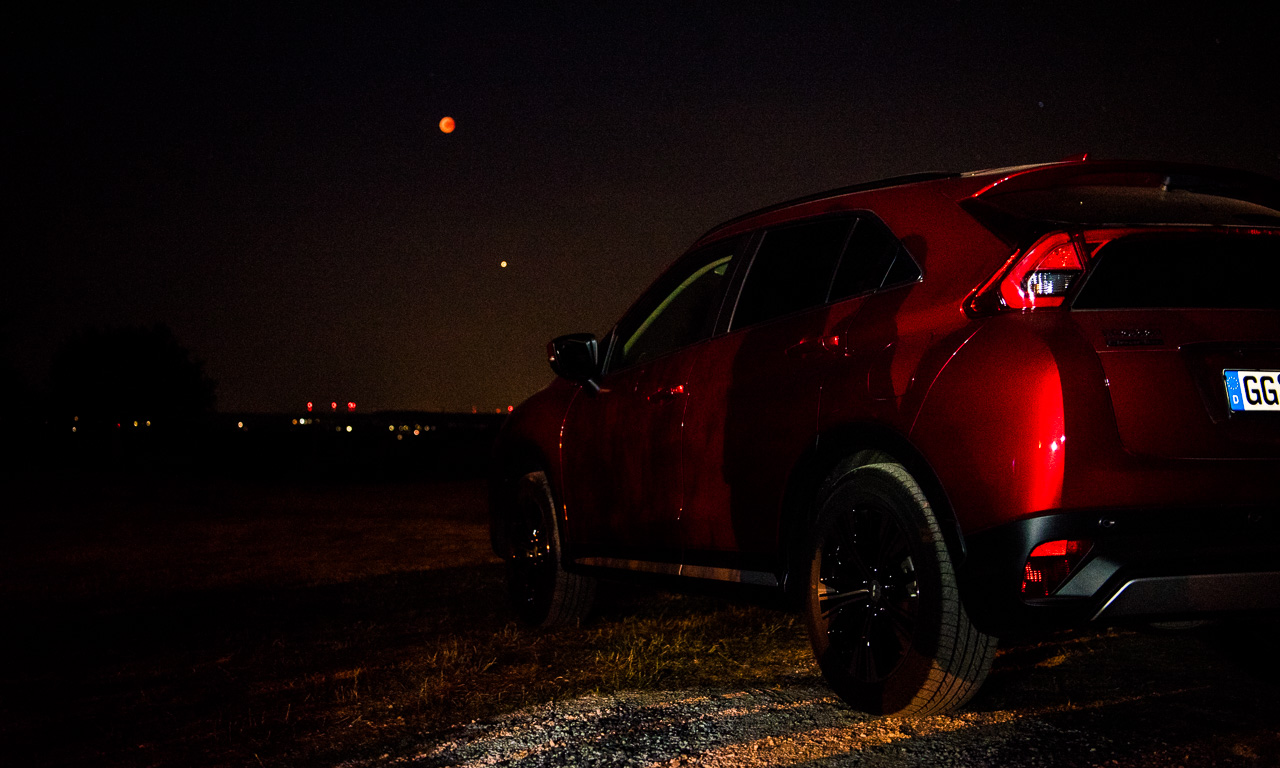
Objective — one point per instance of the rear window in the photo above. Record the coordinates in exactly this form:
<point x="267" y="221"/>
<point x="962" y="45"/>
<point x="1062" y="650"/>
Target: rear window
<point x="792" y="270"/>
<point x="1184" y="271"/>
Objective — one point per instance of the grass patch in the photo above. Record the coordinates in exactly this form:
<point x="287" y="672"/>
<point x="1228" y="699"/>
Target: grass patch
<point x="247" y="625"/>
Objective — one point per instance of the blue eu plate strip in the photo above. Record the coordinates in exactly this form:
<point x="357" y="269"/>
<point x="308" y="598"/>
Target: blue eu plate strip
<point x="1234" y="398"/>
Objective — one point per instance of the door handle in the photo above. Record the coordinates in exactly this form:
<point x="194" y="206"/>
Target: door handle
<point x="817" y="345"/>
<point x="665" y="394"/>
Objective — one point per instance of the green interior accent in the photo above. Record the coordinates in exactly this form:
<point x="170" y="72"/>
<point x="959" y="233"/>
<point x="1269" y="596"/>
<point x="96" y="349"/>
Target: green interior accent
<point x="719" y="265"/>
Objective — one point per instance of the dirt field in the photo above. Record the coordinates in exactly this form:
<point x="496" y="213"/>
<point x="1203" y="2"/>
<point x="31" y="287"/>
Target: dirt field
<point x="190" y="622"/>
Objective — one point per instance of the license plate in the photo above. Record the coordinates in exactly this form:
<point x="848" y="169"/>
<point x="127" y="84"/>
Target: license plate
<point x="1253" y="390"/>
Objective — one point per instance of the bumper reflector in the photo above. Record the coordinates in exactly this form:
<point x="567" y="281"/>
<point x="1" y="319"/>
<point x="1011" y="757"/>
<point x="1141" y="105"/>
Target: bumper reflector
<point x="1049" y="565"/>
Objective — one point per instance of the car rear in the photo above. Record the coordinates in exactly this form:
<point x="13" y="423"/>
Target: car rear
<point x="1148" y="293"/>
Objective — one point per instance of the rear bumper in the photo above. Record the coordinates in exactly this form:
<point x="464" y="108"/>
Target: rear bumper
<point x="1144" y="564"/>
<point x="1203" y="593"/>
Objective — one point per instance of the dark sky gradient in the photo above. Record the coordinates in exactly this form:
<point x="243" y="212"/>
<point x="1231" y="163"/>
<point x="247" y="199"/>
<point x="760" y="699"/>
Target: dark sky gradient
<point x="272" y="183"/>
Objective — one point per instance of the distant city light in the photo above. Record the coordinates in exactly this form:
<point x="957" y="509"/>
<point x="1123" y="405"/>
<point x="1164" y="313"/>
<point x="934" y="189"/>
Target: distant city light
<point x="391" y="427"/>
<point x="351" y="406"/>
<point x="503" y="264"/>
<point x="348" y="427"/>
<point x="240" y="424"/>
<point x="309" y="407"/>
<point x="334" y="405"/>
<point x="510" y="408"/>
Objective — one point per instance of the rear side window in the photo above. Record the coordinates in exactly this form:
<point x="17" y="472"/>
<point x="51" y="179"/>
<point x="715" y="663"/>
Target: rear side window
<point x="1184" y="271"/>
<point x="792" y="270"/>
<point x="874" y="259"/>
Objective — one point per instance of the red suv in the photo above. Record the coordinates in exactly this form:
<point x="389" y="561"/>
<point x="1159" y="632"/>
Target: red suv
<point x="931" y="410"/>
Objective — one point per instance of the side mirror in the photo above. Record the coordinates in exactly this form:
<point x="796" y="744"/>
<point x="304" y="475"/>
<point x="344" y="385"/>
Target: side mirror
<point x="576" y="357"/>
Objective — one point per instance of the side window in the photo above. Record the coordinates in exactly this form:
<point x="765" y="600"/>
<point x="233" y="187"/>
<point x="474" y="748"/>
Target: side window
<point x="679" y="309"/>
<point x="791" y="270"/>
<point x="874" y="259"/>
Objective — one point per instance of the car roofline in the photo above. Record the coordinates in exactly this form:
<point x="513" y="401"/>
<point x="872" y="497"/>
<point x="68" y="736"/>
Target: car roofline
<point x="892" y="181"/>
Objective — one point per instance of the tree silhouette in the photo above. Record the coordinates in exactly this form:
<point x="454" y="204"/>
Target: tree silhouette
<point x="111" y="376"/>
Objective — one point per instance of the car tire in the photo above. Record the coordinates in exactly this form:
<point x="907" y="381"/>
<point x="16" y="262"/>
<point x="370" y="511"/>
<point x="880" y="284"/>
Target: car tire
<point x="883" y="610"/>
<point x="542" y="592"/>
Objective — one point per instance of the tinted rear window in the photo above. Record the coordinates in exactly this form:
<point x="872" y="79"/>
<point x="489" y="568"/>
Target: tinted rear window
<point x="792" y="270"/>
<point x="1184" y="271"/>
<point x="873" y="259"/>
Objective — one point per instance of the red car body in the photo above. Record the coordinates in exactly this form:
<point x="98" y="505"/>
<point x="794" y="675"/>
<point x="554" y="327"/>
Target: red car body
<point x="1045" y="354"/>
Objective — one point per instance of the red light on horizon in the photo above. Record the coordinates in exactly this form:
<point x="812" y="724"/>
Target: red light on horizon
<point x="351" y="406"/>
<point x="510" y="408"/>
<point x="309" y="405"/>
<point x="333" y="405"/>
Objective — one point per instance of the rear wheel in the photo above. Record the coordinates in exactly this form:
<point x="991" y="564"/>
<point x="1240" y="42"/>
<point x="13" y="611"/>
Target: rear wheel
<point x="883" y="611"/>
<point x="543" y="593"/>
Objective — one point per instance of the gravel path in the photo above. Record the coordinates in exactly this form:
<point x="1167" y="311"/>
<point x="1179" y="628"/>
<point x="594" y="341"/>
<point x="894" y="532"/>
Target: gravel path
<point x="737" y="728"/>
<point x="1105" y="699"/>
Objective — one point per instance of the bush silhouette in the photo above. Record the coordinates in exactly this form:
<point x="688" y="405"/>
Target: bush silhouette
<point x="112" y="376"/>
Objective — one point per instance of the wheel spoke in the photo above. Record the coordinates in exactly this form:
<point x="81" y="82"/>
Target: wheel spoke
<point x="888" y="645"/>
<point x="849" y="545"/>
<point x="902" y="623"/>
<point x="835" y="601"/>
<point x="867" y="648"/>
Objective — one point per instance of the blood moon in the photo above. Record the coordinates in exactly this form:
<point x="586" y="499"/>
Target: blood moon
<point x="447" y="124"/>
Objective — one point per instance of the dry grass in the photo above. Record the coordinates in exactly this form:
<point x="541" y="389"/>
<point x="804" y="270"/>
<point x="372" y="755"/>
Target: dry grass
<point x="204" y="623"/>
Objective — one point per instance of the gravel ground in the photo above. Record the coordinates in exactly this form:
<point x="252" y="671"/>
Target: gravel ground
<point x="1111" y="698"/>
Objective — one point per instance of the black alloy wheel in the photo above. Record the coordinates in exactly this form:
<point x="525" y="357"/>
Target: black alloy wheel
<point x="883" y="611"/>
<point x="869" y="595"/>
<point x="542" y="592"/>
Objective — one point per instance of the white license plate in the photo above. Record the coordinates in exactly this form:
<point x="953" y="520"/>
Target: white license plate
<point x="1253" y="390"/>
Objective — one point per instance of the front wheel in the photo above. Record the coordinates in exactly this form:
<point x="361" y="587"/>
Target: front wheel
<point x="543" y="593"/>
<point x="883" y="611"/>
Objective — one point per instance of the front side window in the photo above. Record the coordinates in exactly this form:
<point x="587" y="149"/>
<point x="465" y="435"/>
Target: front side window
<point x="680" y="309"/>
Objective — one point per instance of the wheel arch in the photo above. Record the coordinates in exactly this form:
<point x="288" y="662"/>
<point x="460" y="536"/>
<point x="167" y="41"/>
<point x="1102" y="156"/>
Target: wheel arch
<point x="512" y="459"/>
<point x="833" y="454"/>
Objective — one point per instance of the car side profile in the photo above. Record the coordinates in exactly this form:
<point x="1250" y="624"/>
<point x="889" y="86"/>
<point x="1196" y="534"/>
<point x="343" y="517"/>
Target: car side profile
<point x="928" y="412"/>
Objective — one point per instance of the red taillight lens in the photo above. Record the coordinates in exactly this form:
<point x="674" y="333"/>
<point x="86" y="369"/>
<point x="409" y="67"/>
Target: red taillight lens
<point x="1050" y="564"/>
<point x="1036" y="277"/>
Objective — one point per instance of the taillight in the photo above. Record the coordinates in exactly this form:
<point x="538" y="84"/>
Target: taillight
<point x="1036" y="277"/>
<point x="1041" y="276"/>
<point x="1049" y="565"/>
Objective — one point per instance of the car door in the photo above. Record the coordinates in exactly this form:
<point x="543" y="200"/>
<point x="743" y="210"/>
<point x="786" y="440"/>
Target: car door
<point x="753" y="401"/>
<point x="620" y="446"/>
<point x="755" y="394"/>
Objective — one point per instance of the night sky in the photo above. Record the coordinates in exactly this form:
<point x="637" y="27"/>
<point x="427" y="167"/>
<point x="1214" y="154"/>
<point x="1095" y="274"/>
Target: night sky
<point x="271" y="182"/>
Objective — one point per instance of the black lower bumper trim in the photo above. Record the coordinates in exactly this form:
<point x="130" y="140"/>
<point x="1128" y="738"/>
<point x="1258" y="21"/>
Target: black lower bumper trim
<point x="1144" y="564"/>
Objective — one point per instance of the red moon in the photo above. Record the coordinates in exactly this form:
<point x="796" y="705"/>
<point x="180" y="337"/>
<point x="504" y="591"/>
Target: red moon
<point x="446" y="124"/>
